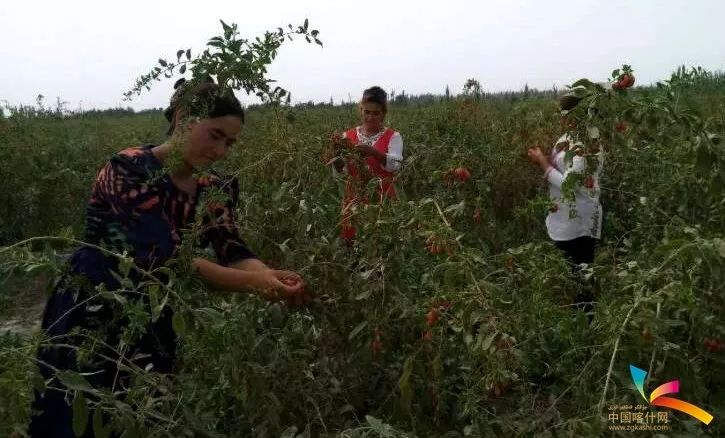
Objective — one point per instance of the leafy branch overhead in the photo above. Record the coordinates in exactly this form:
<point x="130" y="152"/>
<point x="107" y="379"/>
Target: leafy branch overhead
<point x="236" y="63"/>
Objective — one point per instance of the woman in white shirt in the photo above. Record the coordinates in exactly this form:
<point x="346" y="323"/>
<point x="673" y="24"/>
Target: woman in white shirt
<point x="573" y="224"/>
<point x="381" y="150"/>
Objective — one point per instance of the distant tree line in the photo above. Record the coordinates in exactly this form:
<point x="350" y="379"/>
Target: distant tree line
<point x="472" y="89"/>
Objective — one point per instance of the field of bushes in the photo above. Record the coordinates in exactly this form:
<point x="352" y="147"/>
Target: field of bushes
<point x="505" y="353"/>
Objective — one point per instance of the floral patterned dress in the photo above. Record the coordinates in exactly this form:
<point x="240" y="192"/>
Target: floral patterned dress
<point x="134" y="207"/>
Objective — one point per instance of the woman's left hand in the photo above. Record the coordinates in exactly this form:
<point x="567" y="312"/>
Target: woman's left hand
<point x="365" y="150"/>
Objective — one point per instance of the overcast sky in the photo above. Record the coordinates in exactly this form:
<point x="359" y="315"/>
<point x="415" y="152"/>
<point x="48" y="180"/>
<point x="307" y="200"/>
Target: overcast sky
<point x="89" y="52"/>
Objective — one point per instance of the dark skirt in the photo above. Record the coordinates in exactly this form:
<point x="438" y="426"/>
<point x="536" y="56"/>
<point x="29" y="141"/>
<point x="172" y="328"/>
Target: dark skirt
<point x="70" y="319"/>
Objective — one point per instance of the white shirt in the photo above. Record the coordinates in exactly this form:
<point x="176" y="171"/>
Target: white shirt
<point x="588" y="218"/>
<point x="394" y="157"/>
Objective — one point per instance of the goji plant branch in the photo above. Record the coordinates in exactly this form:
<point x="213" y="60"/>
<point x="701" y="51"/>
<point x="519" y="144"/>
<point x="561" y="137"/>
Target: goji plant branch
<point x="616" y="349"/>
<point x="99" y="248"/>
<point x="654" y="350"/>
<point x="440" y="212"/>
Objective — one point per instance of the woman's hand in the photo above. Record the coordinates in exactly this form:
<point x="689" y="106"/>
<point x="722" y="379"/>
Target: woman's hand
<point x="275" y="285"/>
<point x="282" y="285"/>
<point x="369" y="151"/>
<point x="537" y="157"/>
<point x="301" y="297"/>
<point x="253" y="276"/>
<point x="366" y="150"/>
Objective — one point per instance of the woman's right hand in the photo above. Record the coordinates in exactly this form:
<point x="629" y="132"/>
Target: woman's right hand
<point x="275" y="285"/>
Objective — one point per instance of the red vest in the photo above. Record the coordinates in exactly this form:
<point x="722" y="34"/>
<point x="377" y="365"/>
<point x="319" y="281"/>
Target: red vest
<point x="386" y="189"/>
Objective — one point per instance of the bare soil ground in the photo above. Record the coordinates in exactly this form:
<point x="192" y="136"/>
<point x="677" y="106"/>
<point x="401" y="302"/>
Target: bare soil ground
<point x="22" y="300"/>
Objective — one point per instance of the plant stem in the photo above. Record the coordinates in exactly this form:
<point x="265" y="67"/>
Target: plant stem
<point x="616" y="348"/>
<point x="440" y="212"/>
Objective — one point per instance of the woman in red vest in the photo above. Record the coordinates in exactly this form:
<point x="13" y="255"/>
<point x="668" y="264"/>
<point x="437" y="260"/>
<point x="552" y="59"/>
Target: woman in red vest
<point x="380" y="149"/>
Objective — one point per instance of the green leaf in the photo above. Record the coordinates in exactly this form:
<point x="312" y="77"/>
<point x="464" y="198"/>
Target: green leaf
<point x="32" y="267"/>
<point x="188" y="54"/>
<point x="80" y="414"/>
<point x="225" y="26"/>
<point x="357" y="330"/>
<point x="569" y="156"/>
<point x="178" y="322"/>
<point x="124" y="266"/>
<point x="486" y="344"/>
<point x="363" y="295"/>
<point x="378" y="426"/>
<point x="720" y="243"/>
<point x="162" y="62"/>
<point x="703" y="163"/>
<point x="182" y="69"/>
<point x="153" y="294"/>
<point x="406" y="392"/>
<point x="178" y="54"/>
<point x="281" y="191"/>
<point x="98" y="429"/>
<point x="290" y="432"/>
<point x="593" y="132"/>
<point x="74" y="381"/>
<point x="304" y="26"/>
<point x="670" y="346"/>
<point x="456" y="208"/>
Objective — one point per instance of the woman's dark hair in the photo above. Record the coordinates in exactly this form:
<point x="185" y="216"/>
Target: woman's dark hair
<point x="203" y="99"/>
<point x="376" y="95"/>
